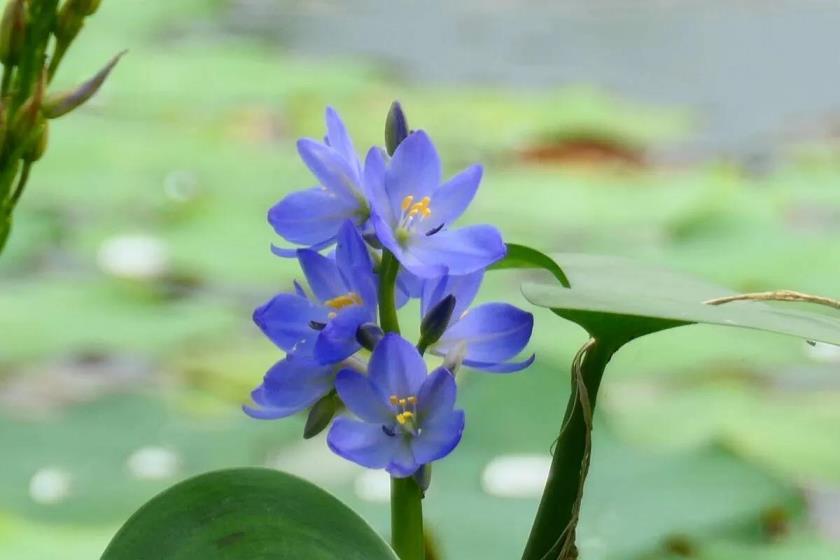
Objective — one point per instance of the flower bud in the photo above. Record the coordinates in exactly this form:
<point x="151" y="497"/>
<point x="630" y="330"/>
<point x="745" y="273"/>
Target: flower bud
<point x="28" y="116"/>
<point x="435" y="322"/>
<point x="58" y="104"/>
<point x="12" y="31"/>
<point x="396" y="127"/>
<point x="320" y="415"/>
<point x="369" y="335"/>
<point x="37" y="144"/>
<point x="423" y="477"/>
<point x="71" y="17"/>
<point x="4" y="125"/>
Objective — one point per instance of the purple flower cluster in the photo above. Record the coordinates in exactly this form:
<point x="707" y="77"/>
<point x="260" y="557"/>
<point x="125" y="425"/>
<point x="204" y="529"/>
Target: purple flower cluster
<point x="402" y="416"/>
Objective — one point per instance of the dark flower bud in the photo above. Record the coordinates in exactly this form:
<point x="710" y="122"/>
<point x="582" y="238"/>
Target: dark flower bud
<point x="423" y="477"/>
<point x="58" y="104"/>
<point x="435" y="322"/>
<point x="320" y="415"/>
<point x="369" y="335"/>
<point x="396" y="127"/>
<point x="12" y="31"/>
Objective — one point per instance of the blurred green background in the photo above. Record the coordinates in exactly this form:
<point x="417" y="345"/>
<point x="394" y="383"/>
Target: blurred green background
<point x="141" y="247"/>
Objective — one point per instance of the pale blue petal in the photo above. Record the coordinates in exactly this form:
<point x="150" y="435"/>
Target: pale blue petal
<point x="493" y="333"/>
<point x="439" y="439"/>
<point x="460" y="251"/>
<point x="414" y="170"/>
<point x="322" y="275"/>
<point x="361" y="398"/>
<point x="396" y="367"/>
<point x="454" y="196"/>
<point x="363" y="443"/>
<point x="311" y="216"/>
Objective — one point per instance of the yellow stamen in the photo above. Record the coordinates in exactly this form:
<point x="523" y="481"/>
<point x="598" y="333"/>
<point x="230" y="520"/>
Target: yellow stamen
<point x="411" y="400"/>
<point x="405" y="417"/>
<point x="414" y="208"/>
<point x="402" y="402"/>
<point x="340" y="302"/>
<point x="406" y="203"/>
<point x="393" y="400"/>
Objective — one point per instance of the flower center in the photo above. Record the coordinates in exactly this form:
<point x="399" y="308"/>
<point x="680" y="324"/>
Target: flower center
<point x="414" y="211"/>
<point x="340" y="302"/>
<point x="406" y="412"/>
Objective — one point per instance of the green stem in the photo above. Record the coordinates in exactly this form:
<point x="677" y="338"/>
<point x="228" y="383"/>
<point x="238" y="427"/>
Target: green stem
<point x="387" y="284"/>
<point x="21" y="185"/>
<point x="407" y="519"/>
<point x="556" y="515"/>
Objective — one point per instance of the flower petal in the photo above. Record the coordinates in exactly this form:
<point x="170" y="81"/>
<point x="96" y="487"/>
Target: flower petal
<point x="290" y="386"/>
<point x="285" y="321"/>
<point x="361" y="398"/>
<point x="436" y="397"/>
<point x="438" y="439"/>
<point x="402" y="462"/>
<point x="414" y="170"/>
<point x="460" y="251"/>
<point x="493" y="333"/>
<point x="363" y="443"/>
<point x="454" y="196"/>
<point x="396" y="367"/>
<point x="409" y="261"/>
<point x="330" y="168"/>
<point x="503" y="367"/>
<point x="337" y="340"/>
<point x="322" y="275"/>
<point x="374" y="185"/>
<point x="464" y="288"/>
<point x="355" y="265"/>
<point x="311" y="216"/>
<point x="340" y="140"/>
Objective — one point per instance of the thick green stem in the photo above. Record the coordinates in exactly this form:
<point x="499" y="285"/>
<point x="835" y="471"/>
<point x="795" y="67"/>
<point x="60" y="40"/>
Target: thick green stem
<point x="407" y="519"/>
<point x="556" y="516"/>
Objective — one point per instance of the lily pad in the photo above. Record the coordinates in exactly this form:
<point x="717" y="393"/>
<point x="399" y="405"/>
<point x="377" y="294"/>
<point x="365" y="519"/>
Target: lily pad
<point x="246" y="513"/>
<point x="623" y="299"/>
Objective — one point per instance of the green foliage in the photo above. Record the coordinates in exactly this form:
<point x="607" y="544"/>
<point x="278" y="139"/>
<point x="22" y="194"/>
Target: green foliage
<point x="248" y="514"/>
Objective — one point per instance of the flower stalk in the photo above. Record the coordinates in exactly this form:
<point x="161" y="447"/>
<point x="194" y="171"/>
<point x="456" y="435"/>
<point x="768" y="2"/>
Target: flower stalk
<point x="553" y="531"/>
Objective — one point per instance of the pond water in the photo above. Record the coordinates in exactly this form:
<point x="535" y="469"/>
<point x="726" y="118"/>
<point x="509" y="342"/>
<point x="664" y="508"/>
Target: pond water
<point x="756" y="73"/>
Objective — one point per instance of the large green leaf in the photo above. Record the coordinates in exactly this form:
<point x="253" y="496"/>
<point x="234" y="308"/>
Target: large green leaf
<point x="250" y="514"/>
<point x="617" y="297"/>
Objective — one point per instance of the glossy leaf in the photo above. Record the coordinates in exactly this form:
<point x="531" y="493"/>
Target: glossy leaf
<point x="622" y="299"/>
<point x="522" y="256"/>
<point x="250" y="514"/>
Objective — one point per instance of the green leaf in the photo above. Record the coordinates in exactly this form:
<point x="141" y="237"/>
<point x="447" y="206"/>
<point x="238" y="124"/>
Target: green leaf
<point x="246" y="513"/>
<point x="522" y="256"/>
<point x="624" y="300"/>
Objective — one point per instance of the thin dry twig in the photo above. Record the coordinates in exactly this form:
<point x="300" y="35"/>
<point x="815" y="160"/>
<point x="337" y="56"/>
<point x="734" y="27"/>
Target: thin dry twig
<point x="777" y="295"/>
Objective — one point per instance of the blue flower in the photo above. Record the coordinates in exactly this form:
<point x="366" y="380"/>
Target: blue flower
<point x="484" y="337"/>
<point x="313" y="216"/>
<point x="412" y="211"/>
<point x="406" y="418"/>
<point x="345" y="297"/>
<point x="290" y="386"/>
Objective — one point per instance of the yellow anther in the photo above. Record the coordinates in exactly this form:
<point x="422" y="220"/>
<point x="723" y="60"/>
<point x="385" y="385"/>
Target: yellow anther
<point x="405" y="417"/>
<point x="426" y="212"/>
<point x="340" y="302"/>
<point x="393" y="400"/>
<point x="402" y="402"/>
<point x="406" y="203"/>
<point x="411" y="400"/>
<point x="425" y="201"/>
